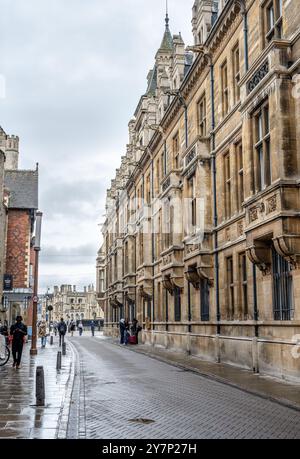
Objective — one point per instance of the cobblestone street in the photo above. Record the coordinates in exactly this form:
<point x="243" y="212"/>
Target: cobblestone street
<point x="117" y="389"/>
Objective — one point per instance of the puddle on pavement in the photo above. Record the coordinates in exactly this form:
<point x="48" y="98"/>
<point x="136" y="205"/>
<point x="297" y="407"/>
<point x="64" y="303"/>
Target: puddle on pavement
<point x="141" y="421"/>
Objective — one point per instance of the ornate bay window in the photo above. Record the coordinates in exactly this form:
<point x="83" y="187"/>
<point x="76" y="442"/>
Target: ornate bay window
<point x="282" y="287"/>
<point x="240" y="174"/>
<point x="243" y="281"/>
<point x="272" y="19"/>
<point x="227" y="185"/>
<point x="202" y="116"/>
<point x="262" y="153"/>
<point x="176" y="150"/>
<point x="230" y="289"/>
<point x="224" y="89"/>
<point x="236" y="73"/>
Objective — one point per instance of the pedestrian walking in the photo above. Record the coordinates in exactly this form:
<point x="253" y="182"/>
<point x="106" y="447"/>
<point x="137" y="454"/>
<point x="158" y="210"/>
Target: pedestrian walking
<point x="18" y="331"/>
<point x="80" y="328"/>
<point x="72" y="327"/>
<point x="42" y="332"/>
<point x="122" y="331"/>
<point x="62" y="330"/>
<point x="93" y="328"/>
<point x="126" y="332"/>
<point x="55" y="328"/>
<point x="135" y="329"/>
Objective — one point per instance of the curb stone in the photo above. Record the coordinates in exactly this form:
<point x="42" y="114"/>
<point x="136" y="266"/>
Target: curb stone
<point x="66" y="405"/>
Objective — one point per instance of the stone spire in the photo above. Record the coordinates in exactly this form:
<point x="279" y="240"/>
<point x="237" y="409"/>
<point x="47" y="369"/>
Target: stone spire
<point x="167" y="41"/>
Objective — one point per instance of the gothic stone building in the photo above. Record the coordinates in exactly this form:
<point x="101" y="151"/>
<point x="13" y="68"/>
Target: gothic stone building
<point x="202" y="233"/>
<point x="72" y="304"/>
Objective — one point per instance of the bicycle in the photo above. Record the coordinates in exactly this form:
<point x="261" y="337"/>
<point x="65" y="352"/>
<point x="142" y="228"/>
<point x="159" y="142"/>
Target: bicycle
<point x="4" y="355"/>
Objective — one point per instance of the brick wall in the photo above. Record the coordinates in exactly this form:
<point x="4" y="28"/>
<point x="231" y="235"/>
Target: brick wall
<point x="2" y="223"/>
<point x="18" y="247"/>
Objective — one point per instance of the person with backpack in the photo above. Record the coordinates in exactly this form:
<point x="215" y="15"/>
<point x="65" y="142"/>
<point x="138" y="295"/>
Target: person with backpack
<point x="80" y="328"/>
<point x="18" y="331"/>
<point x="93" y="328"/>
<point x="62" y="330"/>
<point x="42" y="331"/>
<point x="72" y="327"/>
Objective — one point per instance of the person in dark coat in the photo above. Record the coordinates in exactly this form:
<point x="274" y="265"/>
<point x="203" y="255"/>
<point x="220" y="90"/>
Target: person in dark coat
<point x="93" y="328"/>
<point x="18" y="331"/>
<point x="62" y="330"/>
<point x="122" y="331"/>
<point x="126" y="332"/>
<point x="135" y="329"/>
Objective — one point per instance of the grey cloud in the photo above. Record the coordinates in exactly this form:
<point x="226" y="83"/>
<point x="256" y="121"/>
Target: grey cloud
<point x="81" y="255"/>
<point x="68" y="198"/>
<point x="74" y="73"/>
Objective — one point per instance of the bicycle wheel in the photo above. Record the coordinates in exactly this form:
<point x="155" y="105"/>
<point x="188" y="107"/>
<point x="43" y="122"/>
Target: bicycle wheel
<point x="4" y="356"/>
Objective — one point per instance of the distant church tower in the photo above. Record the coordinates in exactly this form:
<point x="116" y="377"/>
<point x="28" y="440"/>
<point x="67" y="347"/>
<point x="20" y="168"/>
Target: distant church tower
<point x="10" y="147"/>
<point x="12" y="153"/>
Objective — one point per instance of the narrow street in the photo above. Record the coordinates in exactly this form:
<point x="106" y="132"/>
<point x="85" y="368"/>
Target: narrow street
<point x="116" y="388"/>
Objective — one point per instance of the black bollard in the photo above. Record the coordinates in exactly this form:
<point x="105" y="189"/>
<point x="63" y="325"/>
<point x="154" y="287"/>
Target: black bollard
<point x="40" y="387"/>
<point x="64" y="348"/>
<point x="51" y="340"/>
<point x="58" y="361"/>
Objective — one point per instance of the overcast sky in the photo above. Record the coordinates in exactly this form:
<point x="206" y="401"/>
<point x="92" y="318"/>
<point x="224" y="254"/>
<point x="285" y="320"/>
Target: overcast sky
<point x="74" y="72"/>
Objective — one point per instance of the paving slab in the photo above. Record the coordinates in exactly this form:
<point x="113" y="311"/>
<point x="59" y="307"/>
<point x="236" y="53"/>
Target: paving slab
<point x="19" y="417"/>
<point x="284" y="392"/>
<point x="116" y="388"/>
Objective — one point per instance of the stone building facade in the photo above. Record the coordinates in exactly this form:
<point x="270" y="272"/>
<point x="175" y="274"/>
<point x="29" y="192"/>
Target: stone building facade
<point x="72" y="304"/>
<point x="202" y="233"/>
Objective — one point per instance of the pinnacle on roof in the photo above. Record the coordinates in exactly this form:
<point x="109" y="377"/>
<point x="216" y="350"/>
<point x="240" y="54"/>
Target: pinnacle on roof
<point x="167" y="41"/>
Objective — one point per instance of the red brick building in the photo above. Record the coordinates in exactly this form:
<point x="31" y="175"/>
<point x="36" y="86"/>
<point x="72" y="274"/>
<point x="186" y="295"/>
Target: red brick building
<point x="22" y="189"/>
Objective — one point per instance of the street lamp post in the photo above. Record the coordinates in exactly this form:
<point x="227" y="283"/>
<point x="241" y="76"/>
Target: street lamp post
<point x="37" y="248"/>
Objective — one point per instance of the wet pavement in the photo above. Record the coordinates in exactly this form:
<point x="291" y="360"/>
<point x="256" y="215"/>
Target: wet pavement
<point x="19" y="418"/>
<point x="283" y="392"/>
<point x="120" y="394"/>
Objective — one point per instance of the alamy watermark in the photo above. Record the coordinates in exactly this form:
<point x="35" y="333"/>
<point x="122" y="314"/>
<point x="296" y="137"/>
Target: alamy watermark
<point x="168" y="216"/>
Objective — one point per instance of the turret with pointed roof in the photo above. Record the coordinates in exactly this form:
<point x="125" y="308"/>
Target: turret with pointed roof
<point x="167" y="41"/>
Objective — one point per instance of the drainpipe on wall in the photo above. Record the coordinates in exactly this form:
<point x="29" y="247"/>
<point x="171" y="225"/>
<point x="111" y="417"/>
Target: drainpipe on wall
<point x="135" y="267"/>
<point x="246" y="50"/>
<point x="165" y="157"/>
<point x="153" y="255"/>
<point x="189" y="307"/>
<point x="245" y="29"/>
<point x="214" y="172"/>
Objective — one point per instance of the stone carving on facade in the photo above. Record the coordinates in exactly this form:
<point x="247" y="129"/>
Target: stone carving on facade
<point x="166" y="184"/>
<point x="254" y="211"/>
<point x="272" y="204"/>
<point x="253" y="214"/>
<point x="190" y="156"/>
<point x="167" y="259"/>
<point x="258" y="76"/>
<point x="288" y="246"/>
<point x="240" y="228"/>
<point x="260" y="255"/>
